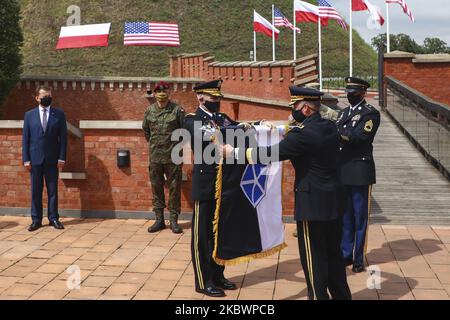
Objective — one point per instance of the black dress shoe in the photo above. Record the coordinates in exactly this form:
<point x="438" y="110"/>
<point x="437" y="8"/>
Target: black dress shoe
<point x="225" y="284"/>
<point x="34" y="226"/>
<point x="358" y="269"/>
<point x="56" y="224"/>
<point x="212" y="292"/>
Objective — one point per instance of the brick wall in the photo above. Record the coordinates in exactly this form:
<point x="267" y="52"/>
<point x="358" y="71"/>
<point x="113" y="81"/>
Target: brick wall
<point x="424" y="73"/>
<point x="107" y="187"/>
<point x="262" y="79"/>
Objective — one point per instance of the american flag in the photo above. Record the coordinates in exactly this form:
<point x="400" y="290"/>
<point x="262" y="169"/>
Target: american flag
<point x="151" y="34"/>
<point x="405" y="8"/>
<point x="326" y="11"/>
<point x="281" y="21"/>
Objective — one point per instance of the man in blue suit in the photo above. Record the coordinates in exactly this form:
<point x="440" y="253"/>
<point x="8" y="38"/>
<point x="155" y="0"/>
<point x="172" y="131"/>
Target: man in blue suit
<point x="44" y="144"/>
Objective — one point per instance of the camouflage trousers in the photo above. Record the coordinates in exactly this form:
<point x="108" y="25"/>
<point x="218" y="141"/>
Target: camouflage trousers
<point x="173" y="174"/>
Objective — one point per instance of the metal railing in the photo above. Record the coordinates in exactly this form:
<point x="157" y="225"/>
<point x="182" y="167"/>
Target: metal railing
<point x="425" y="121"/>
<point x="339" y="82"/>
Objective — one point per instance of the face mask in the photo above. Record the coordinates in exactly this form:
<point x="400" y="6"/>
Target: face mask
<point x="353" y="98"/>
<point x="46" y="101"/>
<point x="212" y="106"/>
<point x="298" y="115"/>
<point x="162" y="96"/>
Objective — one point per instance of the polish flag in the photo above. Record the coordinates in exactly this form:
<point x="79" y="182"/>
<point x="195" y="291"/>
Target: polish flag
<point x="363" y="5"/>
<point x="260" y="24"/>
<point x="306" y="12"/>
<point x="90" y="35"/>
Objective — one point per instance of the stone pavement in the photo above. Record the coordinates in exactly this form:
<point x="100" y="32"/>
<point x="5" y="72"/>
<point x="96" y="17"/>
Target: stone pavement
<point x="120" y="260"/>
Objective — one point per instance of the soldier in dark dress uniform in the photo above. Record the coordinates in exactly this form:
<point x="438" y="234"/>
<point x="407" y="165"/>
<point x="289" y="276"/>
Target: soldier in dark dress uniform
<point x="209" y="276"/>
<point x="312" y="148"/>
<point x="357" y="126"/>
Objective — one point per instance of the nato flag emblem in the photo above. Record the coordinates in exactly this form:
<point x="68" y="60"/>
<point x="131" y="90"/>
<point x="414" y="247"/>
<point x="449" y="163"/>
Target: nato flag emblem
<point x="253" y="183"/>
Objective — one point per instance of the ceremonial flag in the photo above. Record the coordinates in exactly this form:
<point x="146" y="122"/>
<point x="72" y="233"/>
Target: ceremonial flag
<point x="363" y="5"/>
<point x="248" y="218"/>
<point x="326" y="11"/>
<point x="307" y="12"/>
<point x="90" y="35"/>
<point x="151" y="34"/>
<point x="405" y="8"/>
<point x="261" y="25"/>
<point x="281" y="21"/>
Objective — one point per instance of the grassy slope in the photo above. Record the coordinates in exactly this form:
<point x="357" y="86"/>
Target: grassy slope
<point x="224" y="28"/>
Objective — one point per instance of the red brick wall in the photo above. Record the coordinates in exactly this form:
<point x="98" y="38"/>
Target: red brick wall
<point x="86" y="104"/>
<point x="270" y="81"/>
<point x="107" y="187"/>
<point x="430" y="79"/>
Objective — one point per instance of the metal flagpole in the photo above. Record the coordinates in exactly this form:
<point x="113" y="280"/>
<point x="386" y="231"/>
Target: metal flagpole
<point x="320" y="54"/>
<point x="351" y="39"/>
<point x="388" y="36"/>
<point x="254" y="46"/>
<point x="295" y="35"/>
<point x="273" y="32"/>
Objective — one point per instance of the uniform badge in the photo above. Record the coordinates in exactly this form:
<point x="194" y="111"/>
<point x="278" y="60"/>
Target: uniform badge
<point x="226" y="122"/>
<point x="368" y="127"/>
<point x="356" y="118"/>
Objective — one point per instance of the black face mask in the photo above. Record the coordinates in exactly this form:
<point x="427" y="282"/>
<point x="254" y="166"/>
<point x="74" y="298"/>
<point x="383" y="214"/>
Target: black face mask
<point x="46" y="101"/>
<point x="298" y="115"/>
<point x="354" y="99"/>
<point x="212" y="106"/>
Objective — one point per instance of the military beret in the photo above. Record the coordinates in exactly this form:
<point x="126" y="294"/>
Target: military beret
<point x="161" y="86"/>
<point x="356" y="84"/>
<point x="211" y="88"/>
<point x="304" y="94"/>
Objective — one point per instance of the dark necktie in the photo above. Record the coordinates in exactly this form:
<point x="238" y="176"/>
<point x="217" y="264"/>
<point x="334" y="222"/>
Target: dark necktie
<point x="44" y="120"/>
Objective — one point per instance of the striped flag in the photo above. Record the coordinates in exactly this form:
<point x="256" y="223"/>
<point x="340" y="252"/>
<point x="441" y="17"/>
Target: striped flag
<point x="405" y="8"/>
<point x="89" y="35"/>
<point x="326" y="11"/>
<point x="281" y="21"/>
<point x="151" y="34"/>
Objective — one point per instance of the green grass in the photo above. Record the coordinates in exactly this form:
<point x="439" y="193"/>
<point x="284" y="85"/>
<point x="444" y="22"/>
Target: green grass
<point x="224" y="28"/>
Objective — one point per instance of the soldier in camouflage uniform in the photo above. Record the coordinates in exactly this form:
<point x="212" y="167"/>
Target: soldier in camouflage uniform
<point x="160" y="120"/>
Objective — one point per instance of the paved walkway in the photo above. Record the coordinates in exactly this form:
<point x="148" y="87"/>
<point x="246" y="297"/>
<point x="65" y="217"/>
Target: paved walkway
<point x="120" y="260"/>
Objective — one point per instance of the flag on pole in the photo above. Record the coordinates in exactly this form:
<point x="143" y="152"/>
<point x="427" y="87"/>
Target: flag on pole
<point x="307" y="12"/>
<point x="405" y="8"/>
<point x="248" y="220"/>
<point x="261" y="25"/>
<point x="363" y="5"/>
<point x="280" y="20"/>
<point x="151" y="34"/>
<point x="90" y="35"/>
<point x="327" y="11"/>
<point x="359" y="5"/>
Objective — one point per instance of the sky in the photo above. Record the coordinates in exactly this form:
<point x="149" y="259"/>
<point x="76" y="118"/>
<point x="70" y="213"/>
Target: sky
<point x="432" y="19"/>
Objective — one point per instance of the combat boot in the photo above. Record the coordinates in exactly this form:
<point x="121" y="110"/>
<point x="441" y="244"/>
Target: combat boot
<point x="159" y="223"/>
<point x="174" y="224"/>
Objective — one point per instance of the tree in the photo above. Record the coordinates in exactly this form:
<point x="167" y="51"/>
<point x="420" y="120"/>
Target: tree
<point x="434" y="45"/>
<point x="400" y="42"/>
<point x="11" y="40"/>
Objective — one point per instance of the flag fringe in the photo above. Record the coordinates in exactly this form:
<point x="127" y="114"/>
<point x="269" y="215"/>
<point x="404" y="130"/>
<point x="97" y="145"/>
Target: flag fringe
<point x="250" y="257"/>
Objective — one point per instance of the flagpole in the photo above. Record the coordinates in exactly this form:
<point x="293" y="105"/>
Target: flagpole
<point x="273" y="33"/>
<point x="320" y="53"/>
<point x="295" y="35"/>
<point x="351" y="39"/>
<point x="254" y="46"/>
<point x="388" y="36"/>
